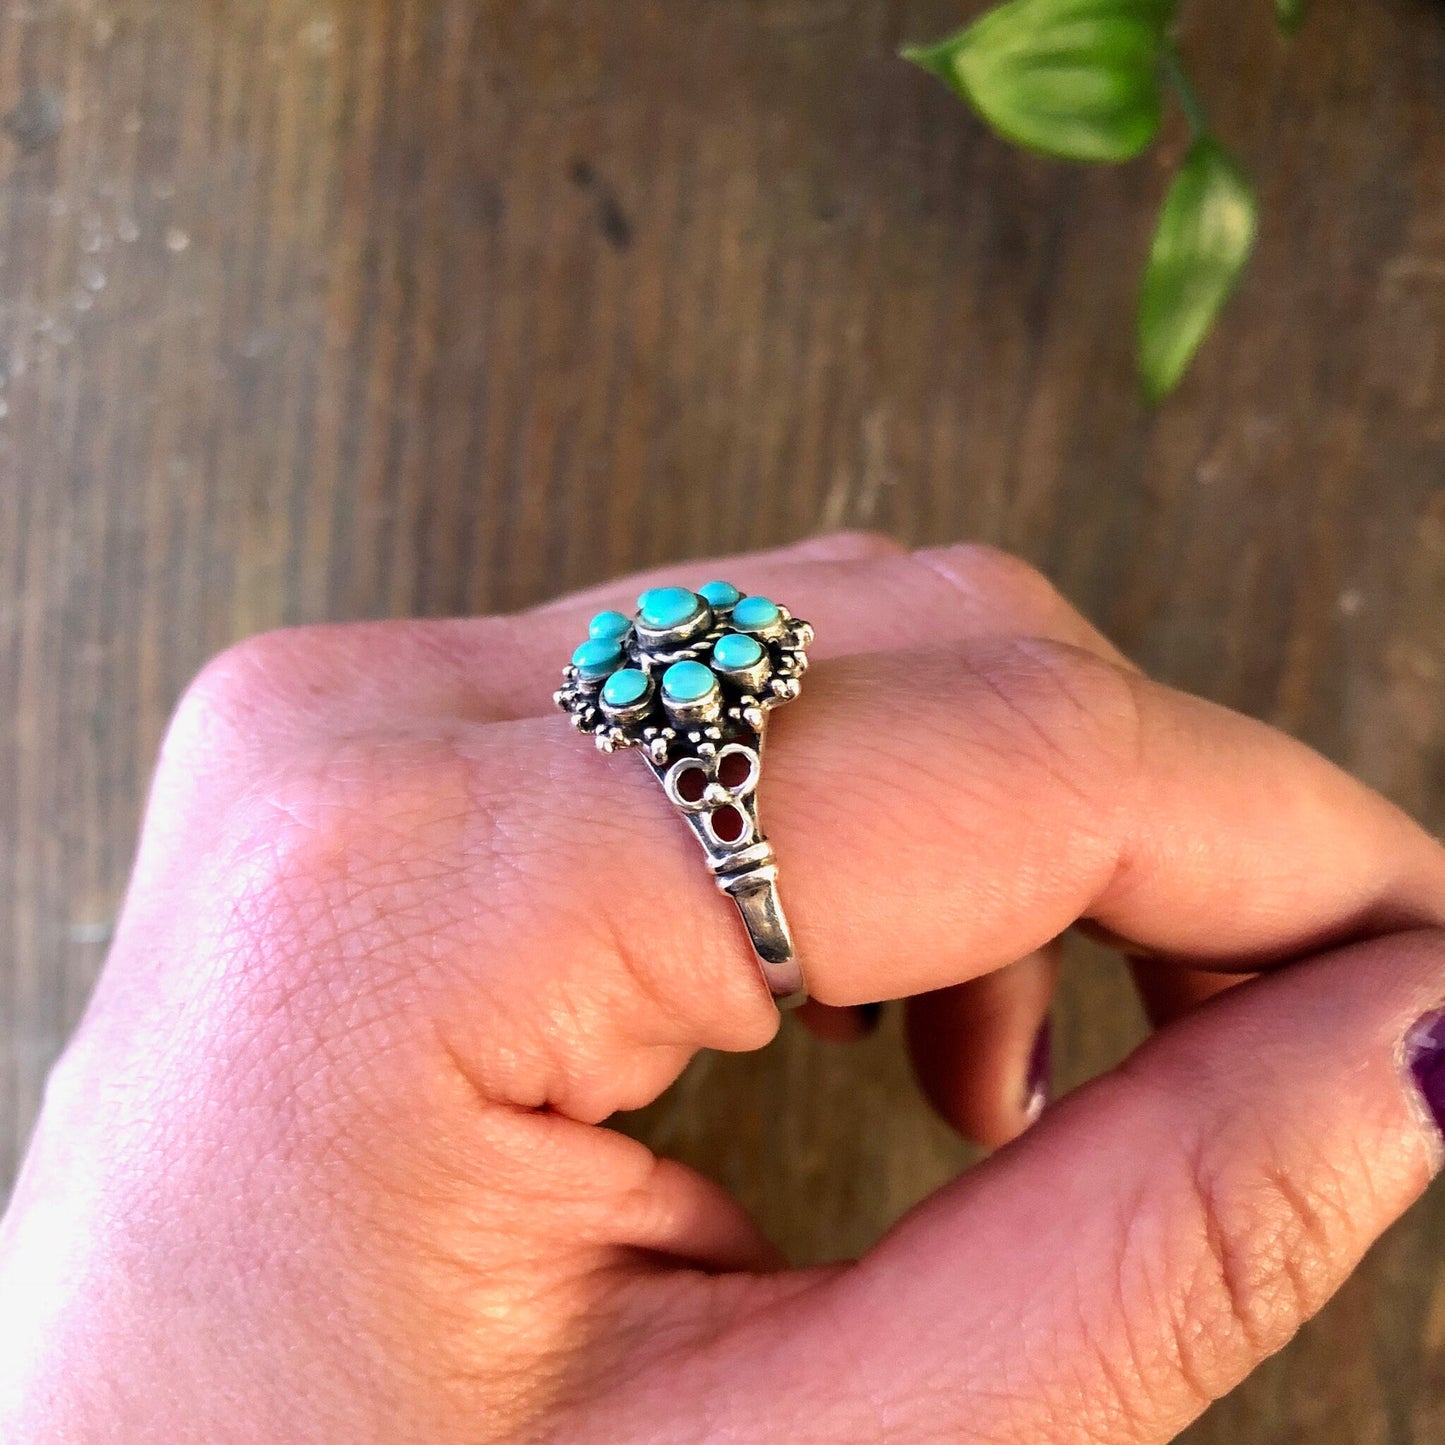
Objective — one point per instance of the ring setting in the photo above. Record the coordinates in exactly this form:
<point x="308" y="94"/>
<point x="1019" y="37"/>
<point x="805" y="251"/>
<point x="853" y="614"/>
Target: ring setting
<point x="689" y="680"/>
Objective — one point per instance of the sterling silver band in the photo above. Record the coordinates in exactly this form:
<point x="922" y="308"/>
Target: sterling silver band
<point x="690" y="680"/>
<point x="748" y="874"/>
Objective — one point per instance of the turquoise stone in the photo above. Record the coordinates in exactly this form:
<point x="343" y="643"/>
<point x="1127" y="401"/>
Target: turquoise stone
<point x="755" y="613"/>
<point x="734" y="651"/>
<point x="597" y="657"/>
<point x="609" y="626"/>
<point x="626" y="686"/>
<point x="720" y="595"/>
<point x="687" y="681"/>
<point x="664" y="607"/>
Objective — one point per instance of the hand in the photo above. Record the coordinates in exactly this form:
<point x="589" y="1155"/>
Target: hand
<point x="325" y="1161"/>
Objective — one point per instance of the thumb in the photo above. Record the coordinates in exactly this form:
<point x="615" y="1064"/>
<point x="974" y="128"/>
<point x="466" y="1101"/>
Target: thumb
<point x="1150" y="1241"/>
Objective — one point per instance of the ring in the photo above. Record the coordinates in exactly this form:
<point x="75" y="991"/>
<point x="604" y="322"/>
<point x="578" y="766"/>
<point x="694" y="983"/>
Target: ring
<point x="689" y="680"/>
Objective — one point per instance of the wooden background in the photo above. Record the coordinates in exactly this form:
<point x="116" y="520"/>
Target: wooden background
<point x="334" y="310"/>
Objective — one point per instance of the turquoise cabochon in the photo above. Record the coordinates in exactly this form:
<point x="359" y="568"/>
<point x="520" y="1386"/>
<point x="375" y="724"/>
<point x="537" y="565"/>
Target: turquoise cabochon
<point x="608" y="627"/>
<point x="597" y="657"/>
<point x="736" y="650"/>
<point x="688" y="681"/>
<point x="664" y="607"/>
<point x="752" y="613"/>
<point x="719" y="595"/>
<point x="626" y="686"/>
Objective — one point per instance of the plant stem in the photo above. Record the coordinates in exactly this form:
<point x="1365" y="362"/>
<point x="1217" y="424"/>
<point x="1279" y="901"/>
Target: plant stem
<point x="1188" y="100"/>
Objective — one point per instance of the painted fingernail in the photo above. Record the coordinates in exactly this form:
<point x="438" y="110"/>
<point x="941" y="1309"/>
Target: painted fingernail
<point x="1040" y="1087"/>
<point x="1425" y="1055"/>
<point x="870" y="1014"/>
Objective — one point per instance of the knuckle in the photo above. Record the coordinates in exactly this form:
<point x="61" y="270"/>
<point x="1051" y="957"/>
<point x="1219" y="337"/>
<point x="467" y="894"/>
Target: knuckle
<point x="1263" y="1261"/>
<point x="235" y="726"/>
<point x="1003" y="593"/>
<point x="978" y="567"/>
<point x="341" y="872"/>
<point x="1061" y="705"/>
<point x="984" y="559"/>
<point x="863" y="544"/>
<point x="1224" y="1248"/>
<point x="67" y="1087"/>
<point x="252" y="673"/>
<point x="238" y="690"/>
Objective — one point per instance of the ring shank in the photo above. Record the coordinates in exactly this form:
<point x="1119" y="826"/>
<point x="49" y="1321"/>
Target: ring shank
<point x="751" y="880"/>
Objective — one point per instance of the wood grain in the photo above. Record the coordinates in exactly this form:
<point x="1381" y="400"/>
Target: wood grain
<point x="382" y="307"/>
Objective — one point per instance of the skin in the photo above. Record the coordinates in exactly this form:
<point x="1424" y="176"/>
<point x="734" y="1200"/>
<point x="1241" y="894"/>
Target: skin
<point x="326" y="1160"/>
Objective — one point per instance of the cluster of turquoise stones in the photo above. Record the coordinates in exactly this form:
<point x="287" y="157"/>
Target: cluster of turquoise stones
<point x="603" y="657"/>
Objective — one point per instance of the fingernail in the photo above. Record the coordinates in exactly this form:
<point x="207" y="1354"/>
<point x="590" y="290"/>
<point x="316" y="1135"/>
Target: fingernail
<point x="1425" y="1055"/>
<point x="870" y="1014"/>
<point x="1040" y="1088"/>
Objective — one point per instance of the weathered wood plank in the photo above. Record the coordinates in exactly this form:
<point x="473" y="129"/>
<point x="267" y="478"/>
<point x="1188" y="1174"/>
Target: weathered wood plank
<point x="320" y="310"/>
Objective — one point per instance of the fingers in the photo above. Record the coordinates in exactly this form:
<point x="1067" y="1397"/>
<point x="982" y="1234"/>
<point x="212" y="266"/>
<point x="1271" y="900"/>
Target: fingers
<point x="882" y="602"/>
<point x="1168" y="993"/>
<point x="862" y="592"/>
<point x="1139" y="1251"/>
<point x="937" y="816"/>
<point x="306" y="687"/>
<point x="982" y="1049"/>
<point x="301" y="680"/>
<point x="847" y="1025"/>
<point x="302" y="689"/>
<point x="1014" y="785"/>
<point x="835" y="548"/>
<point x="938" y="594"/>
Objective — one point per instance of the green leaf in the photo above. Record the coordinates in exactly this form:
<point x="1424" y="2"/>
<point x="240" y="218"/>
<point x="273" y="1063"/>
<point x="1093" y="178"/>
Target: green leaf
<point x="1206" y="231"/>
<point x="1290" y="14"/>
<point x="1077" y="79"/>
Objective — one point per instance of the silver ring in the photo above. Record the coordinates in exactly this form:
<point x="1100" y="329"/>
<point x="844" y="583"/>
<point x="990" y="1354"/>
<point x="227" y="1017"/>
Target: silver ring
<point x="689" y="680"/>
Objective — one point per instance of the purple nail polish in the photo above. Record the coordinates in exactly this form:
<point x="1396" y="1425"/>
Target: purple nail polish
<point x="1040" y="1088"/>
<point x="1425" y="1054"/>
